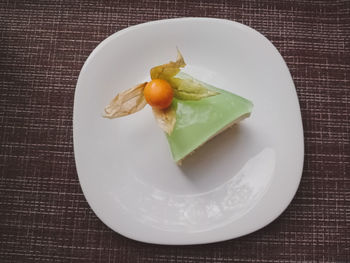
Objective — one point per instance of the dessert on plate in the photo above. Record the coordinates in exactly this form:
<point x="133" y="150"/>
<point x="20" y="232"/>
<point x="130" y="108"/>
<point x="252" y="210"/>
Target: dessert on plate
<point x="189" y="111"/>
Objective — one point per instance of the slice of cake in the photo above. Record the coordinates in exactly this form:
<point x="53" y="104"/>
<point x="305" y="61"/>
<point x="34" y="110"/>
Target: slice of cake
<point x="189" y="111"/>
<point x="197" y="121"/>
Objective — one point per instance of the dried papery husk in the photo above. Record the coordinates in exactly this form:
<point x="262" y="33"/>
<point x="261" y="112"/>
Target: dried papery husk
<point x="184" y="89"/>
<point x="126" y="102"/>
<point x="166" y="119"/>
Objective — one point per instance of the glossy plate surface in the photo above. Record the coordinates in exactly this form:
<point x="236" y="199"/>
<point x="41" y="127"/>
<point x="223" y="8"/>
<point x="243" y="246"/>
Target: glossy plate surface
<point x="233" y="185"/>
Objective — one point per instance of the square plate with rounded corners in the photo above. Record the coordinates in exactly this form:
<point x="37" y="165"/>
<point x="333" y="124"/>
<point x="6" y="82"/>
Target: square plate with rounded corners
<point x="233" y="185"/>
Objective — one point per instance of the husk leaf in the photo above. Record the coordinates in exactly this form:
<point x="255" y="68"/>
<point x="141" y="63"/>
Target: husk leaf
<point x="126" y="102"/>
<point x="166" y="119"/>
<point x="184" y="89"/>
<point x="189" y="89"/>
<point x="166" y="71"/>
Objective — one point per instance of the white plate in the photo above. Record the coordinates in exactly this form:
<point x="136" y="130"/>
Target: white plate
<point x="235" y="184"/>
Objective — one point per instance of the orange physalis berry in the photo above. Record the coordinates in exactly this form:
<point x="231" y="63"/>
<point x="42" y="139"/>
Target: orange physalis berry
<point x="158" y="93"/>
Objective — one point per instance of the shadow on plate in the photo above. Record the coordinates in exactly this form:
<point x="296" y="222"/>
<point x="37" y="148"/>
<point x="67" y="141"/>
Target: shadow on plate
<point x="220" y="158"/>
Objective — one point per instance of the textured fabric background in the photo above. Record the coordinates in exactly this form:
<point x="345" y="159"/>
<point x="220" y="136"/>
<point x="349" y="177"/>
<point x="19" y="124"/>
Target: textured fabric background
<point x="43" y="214"/>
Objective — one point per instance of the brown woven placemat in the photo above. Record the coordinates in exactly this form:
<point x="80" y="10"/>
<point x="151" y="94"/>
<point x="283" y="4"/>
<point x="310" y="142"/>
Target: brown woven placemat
<point x="43" y="214"/>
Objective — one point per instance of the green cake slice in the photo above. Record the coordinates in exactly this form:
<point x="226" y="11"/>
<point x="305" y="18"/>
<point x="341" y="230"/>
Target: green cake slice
<point x="197" y="121"/>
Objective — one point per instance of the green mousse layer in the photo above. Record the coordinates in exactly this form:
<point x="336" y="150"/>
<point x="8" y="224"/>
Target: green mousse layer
<point x="199" y="120"/>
